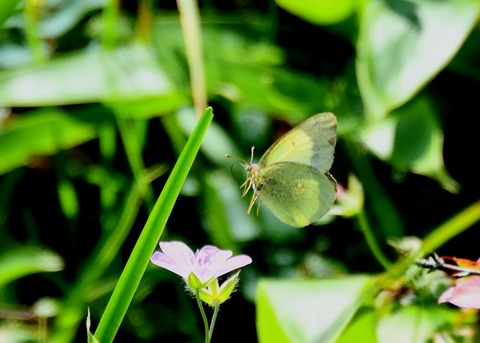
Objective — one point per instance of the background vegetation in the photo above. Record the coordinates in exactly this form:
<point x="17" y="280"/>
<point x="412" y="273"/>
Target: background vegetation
<point x="98" y="98"/>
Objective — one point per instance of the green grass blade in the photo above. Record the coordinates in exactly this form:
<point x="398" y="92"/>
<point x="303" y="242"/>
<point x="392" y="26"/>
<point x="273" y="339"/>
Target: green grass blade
<point x="107" y="248"/>
<point x="151" y="233"/>
<point x="451" y="228"/>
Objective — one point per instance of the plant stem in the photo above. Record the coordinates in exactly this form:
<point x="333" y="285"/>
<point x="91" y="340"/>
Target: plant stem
<point x="190" y="21"/>
<point x="371" y="241"/>
<point x="204" y="316"/>
<point x="214" y="319"/>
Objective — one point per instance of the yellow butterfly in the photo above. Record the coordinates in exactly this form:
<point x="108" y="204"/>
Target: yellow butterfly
<point x="292" y="178"/>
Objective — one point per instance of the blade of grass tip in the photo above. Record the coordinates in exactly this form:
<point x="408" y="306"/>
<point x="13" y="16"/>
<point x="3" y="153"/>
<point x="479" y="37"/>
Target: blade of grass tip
<point x="150" y="235"/>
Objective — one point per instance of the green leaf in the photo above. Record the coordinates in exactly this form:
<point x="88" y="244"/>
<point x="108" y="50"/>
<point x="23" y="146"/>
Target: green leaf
<point x="66" y="16"/>
<point x="24" y="261"/>
<point x="402" y="45"/>
<point x="126" y="74"/>
<point x="7" y="7"/>
<point x="226" y="212"/>
<point x="307" y="310"/>
<point x="148" y="107"/>
<point x="412" y="324"/>
<point x="412" y="140"/>
<point x="361" y="329"/>
<point x="319" y="11"/>
<point x="46" y="131"/>
<point x="466" y="61"/>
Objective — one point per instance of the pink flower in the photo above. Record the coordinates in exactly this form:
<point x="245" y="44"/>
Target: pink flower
<point x="465" y="294"/>
<point x="206" y="264"/>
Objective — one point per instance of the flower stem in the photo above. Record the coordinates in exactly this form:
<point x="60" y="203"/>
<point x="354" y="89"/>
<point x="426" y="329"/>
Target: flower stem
<point x="204" y="316"/>
<point x="214" y="318"/>
<point x="371" y="241"/>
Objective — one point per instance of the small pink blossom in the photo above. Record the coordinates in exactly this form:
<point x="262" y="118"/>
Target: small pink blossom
<point x="465" y="293"/>
<point x="206" y="264"/>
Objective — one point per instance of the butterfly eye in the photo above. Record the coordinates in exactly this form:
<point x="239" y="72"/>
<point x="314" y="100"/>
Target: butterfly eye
<point x="252" y="169"/>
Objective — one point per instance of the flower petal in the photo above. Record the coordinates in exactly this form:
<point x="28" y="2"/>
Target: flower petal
<point x="178" y="251"/>
<point x="176" y="257"/>
<point x="210" y="254"/>
<point x="221" y="256"/>
<point x="166" y="262"/>
<point x="465" y="294"/>
<point x="233" y="263"/>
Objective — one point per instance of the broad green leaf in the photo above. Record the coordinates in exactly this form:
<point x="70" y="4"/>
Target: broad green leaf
<point x="245" y="76"/>
<point x="466" y="61"/>
<point x="127" y="74"/>
<point x="321" y="12"/>
<point x="413" y="324"/>
<point x="289" y="94"/>
<point x="22" y="261"/>
<point x="148" y="107"/>
<point x="67" y="15"/>
<point x="309" y="310"/>
<point x="246" y="72"/>
<point x="412" y="140"/>
<point x="46" y="131"/>
<point x="402" y="45"/>
<point x="20" y="331"/>
<point x="7" y="7"/>
<point x="361" y="329"/>
<point x="226" y="212"/>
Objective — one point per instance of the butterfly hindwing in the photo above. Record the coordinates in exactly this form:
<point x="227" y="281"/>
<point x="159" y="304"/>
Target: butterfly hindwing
<point x="296" y="193"/>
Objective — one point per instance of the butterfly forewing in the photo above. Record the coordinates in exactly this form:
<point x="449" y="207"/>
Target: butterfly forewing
<point x="311" y="143"/>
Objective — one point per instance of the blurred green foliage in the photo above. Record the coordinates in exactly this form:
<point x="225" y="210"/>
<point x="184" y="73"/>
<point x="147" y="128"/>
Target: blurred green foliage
<point x="96" y="105"/>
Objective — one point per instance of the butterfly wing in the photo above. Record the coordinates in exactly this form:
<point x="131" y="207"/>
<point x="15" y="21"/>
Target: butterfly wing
<point x="296" y="193"/>
<point x="311" y="143"/>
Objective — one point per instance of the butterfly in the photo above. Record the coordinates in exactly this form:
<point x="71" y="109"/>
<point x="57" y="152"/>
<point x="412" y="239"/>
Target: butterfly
<point x="292" y="178"/>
